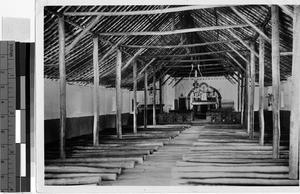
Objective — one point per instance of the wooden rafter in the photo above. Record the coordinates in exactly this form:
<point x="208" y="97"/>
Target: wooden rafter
<point x="251" y="24"/>
<point x="188" y="61"/>
<point x="286" y="10"/>
<point x="132" y="58"/>
<point x="181" y="31"/>
<point x="147" y="12"/>
<point x="82" y="33"/>
<point x="145" y="67"/>
<point x="238" y="53"/>
<point x="238" y="63"/>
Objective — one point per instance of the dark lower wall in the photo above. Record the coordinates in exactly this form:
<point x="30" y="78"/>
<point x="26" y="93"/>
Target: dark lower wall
<point x="81" y="126"/>
<point x="284" y="121"/>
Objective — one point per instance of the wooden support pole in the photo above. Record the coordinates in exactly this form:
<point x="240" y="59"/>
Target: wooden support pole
<point x="134" y="96"/>
<point x="96" y="93"/>
<point x="261" y="90"/>
<point x="275" y="79"/>
<point x="118" y="95"/>
<point x="145" y="98"/>
<point x="246" y="99"/>
<point x="160" y="96"/>
<point x="294" y="119"/>
<point x="238" y="94"/>
<point x="242" y="99"/>
<point x="154" y="99"/>
<point x="62" y="79"/>
<point x="252" y="81"/>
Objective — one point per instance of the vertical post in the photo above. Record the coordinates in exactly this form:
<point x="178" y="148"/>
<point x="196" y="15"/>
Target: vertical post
<point x="242" y="99"/>
<point x="275" y="79"/>
<point x="154" y="99"/>
<point x="238" y="94"/>
<point x="261" y="90"/>
<point x="62" y="79"/>
<point x="246" y="98"/>
<point x="145" y="99"/>
<point x="118" y="95"/>
<point x="252" y="81"/>
<point x="96" y="93"/>
<point x="294" y="119"/>
<point x="160" y="96"/>
<point x="134" y="96"/>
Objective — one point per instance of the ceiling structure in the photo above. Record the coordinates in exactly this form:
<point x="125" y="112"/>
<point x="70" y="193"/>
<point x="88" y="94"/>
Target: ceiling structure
<point x="181" y="41"/>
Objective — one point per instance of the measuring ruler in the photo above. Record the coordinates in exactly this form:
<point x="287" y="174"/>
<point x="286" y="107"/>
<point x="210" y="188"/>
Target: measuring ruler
<point x="7" y="114"/>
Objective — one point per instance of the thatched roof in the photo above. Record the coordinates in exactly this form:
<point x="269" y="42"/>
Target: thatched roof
<point x="221" y="59"/>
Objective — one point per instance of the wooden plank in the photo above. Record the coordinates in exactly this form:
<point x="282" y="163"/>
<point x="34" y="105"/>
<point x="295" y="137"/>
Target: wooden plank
<point x="80" y="169"/>
<point x="234" y="160"/>
<point x="252" y="175"/>
<point x="164" y="33"/>
<point x="294" y="118"/>
<point x="134" y="97"/>
<point x="251" y="24"/>
<point x="154" y="101"/>
<point x="273" y="169"/>
<point x="74" y="181"/>
<point x="236" y="182"/>
<point x="144" y="12"/>
<point x="120" y="159"/>
<point x="62" y="88"/>
<point x="184" y="164"/>
<point x="115" y="164"/>
<point x="275" y="79"/>
<point x="81" y="34"/>
<point x="179" y="45"/>
<point x="261" y="90"/>
<point x="104" y="176"/>
<point x="96" y="93"/>
<point x="252" y="91"/>
<point x="145" y="98"/>
<point x="118" y="94"/>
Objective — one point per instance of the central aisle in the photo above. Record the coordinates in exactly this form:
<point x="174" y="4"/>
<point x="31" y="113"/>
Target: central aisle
<point x="156" y="169"/>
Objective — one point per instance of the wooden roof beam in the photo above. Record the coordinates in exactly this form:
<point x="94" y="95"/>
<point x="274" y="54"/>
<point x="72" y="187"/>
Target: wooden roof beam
<point x="286" y="10"/>
<point x="251" y="24"/>
<point x="145" y="67"/>
<point x="172" y="32"/>
<point x="191" y="60"/>
<point x="144" y="12"/>
<point x="243" y="42"/>
<point x="82" y="33"/>
<point x="238" y="63"/>
<point x="238" y="53"/>
<point x="178" y="46"/>
<point x="132" y="58"/>
<point x="204" y="65"/>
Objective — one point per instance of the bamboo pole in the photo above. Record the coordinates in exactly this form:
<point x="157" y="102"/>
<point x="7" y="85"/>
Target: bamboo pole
<point x="237" y="52"/>
<point x="154" y="99"/>
<point x="132" y="58"/>
<point x="286" y="10"/>
<point x="189" y="61"/>
<point x="143" y="12"/>
<point x="134" y="96"/>
<point x="164" y="33"/>
<point x="145" y="98"/>
<point x="62" y="79"/>
<point x="246" y="96"/>
<point x="147" y="65"/>
<point x="275" y="79"/>
<point x="96" y="93"/>
<point x="242" y="99"/>
<point x="118" y="95"/>
<point x="238" y="94"/>
<point x="261" y="90"/>
<point x="252" y="81"/>
<point x="294" y="120"/>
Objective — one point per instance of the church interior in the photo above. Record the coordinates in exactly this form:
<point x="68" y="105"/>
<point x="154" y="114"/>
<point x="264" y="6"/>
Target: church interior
<point x="164" y="95"/>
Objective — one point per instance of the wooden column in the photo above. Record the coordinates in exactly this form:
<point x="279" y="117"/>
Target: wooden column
<point x="118" y="95"/>
<point x="96" y="93"/>
<point x="134" y="96"/>
<point x="242" y="99"/>
<point x="62" y="79"/>
<point x="246" y="98"/>
<point x="154" y="99"/>
<point x="275" y="79"/>
<point x="160" y="96"/>
<point x="145" y="99"/>
<point x="238" y="94"/>
<point x="252" y="87"/>
<point x="261" y="90"/>
<point x="294" y="121"/>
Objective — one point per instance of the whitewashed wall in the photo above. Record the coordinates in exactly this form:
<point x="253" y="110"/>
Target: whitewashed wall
<point x="80" y="100"/>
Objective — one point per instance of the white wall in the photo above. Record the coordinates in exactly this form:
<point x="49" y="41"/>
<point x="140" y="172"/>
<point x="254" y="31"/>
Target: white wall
<point x="80" y="100"/>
